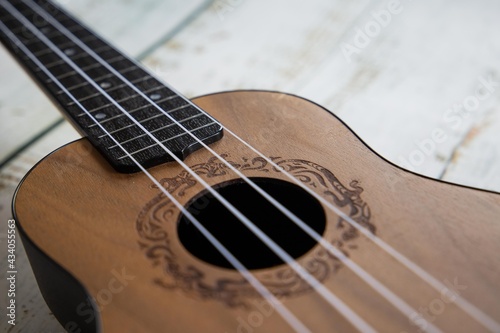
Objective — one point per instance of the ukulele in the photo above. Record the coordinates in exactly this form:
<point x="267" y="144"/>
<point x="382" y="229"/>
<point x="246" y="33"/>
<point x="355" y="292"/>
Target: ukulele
<point x="244" y="211"/>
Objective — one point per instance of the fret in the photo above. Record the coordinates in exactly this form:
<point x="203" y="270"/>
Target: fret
<point x="62" y="61"/>
<point x="128" y="98"/>
<point x="69" y="24"/>
<point x="142" y="135"/>
<point x="67" y="42"/>
<point x="147" y="81"/>
<point x="103" y="78"/>
<point x="183" y="116"/>
<point x="36" y="45"/>
<point x="93" y="81"/>
<point x="65" y="45"/>
<point x="118" y="130"/>
<point x="140" y="108"/>
<point x="127" y="70"/>
<point x="154" y="93"/>
<point x="164" y="141"/>
<point x="52" y="64"/>
<point x="102" y="106"/>
<point x="139" y="112"/>
<point x="56" y="38"/>
<point x="47" y="56"/>
<point x="85" y="60"/>
<point x="94" y="70"/>
<point x="108" y="110"/>
<point x="99" y="108"/>
<point x="171" y="105"/>
<point x="65" y="75"/>
<point x="80" y="33"/>
<point x="25" y="34"/>
<point x="93" y="42"/>
<point x="91" y="66"/>
<point x="133" y="71"/>
<point x="48" y="59"/>
<point x="184" y="133"/>
<point x="117" y="94"/>
<point x="43" y="52"/>
<point x="72" y="88"/>
<point x="87" y="97"/>
<point x="142" y="121"/>
<point x="137" y="81"/>
<point x="161" y="114"/>
<point x="129" y="94"/>
<point x="50" y="81"/>
<point x="168" y="126"/>
<point x="103" y="85"/>
<point x="74" y="28"/>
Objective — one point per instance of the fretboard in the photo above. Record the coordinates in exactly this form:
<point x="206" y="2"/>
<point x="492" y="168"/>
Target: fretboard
<point x="128" y="114"/>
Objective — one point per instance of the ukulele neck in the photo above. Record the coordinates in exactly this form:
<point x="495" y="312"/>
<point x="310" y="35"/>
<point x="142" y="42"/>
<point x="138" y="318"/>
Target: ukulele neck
<point x="126" y="113"/>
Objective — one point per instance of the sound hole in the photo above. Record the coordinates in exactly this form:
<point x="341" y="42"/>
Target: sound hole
<point x="237" y="238"/>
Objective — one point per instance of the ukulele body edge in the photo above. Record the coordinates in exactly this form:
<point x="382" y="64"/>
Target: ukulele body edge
<point x="116" y="233"/>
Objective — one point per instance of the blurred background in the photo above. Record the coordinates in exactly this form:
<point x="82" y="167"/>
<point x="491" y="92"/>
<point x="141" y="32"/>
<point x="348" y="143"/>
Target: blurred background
<point x="418" y="81"/>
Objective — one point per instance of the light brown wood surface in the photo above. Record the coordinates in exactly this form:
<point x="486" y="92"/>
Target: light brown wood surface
<point x="393" y="95"/>
<point x="84" y="215"/>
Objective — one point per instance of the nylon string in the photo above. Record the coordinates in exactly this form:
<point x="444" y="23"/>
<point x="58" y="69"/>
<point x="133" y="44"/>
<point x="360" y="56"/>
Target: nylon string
<point x="396" y="301"/>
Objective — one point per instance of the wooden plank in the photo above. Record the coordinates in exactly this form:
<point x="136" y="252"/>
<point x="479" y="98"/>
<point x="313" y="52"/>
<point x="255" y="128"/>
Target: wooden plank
<point x="134" y="26"/>
<point x="33" y="315"/>
<point x="24" y="117"/>
<point x="253" y="44"/>
<point x="81" y="201"/>
<point x="24" y="108"/>
<point x="475" y="161"/>
<point x="407" y="82"/>
<point x="395" y="92"/>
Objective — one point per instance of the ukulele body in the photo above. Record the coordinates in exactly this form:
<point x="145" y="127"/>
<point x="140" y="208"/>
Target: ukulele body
<point x="92" y="231"/>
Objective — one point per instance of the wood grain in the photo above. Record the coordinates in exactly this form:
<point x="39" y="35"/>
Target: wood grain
<point x="73" y="199"/>
<point x="26" y="117"/>
<point x="421" y="64"/>
<point x="26" y="113"/>
<point x="306" y="41"/>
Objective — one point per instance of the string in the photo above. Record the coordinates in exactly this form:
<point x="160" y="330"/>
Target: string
<point x="341" y="213"/>
<point x="464" y="304"/>
<point x="375" y="284"/>
<point x="337" y="303"/>
<point x="461" y="302"/>
<point x="306" y="276"/>
<point x="295" y="323"/>
<point x="392" y="298"/>
<point x="312" y="281"/>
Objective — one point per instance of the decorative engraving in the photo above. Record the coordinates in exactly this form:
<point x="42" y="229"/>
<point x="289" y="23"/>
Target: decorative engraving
<point x="156" y="227"/>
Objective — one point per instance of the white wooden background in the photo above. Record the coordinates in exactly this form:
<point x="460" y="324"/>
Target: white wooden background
<point x="421" y="85"/>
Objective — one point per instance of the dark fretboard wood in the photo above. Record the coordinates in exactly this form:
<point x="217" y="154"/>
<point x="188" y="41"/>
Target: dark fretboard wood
<point x="110" y="98"/>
